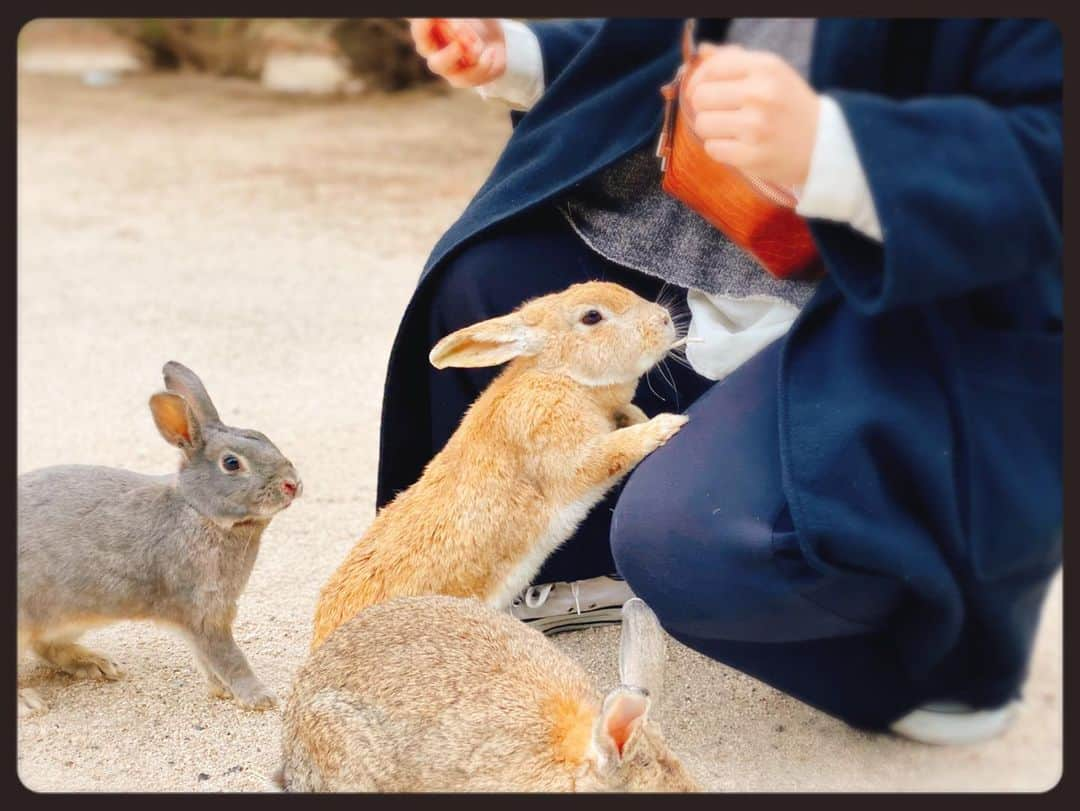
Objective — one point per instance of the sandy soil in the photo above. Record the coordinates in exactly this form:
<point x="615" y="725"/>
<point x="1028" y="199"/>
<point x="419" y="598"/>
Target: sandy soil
<point x="271" y="244"/>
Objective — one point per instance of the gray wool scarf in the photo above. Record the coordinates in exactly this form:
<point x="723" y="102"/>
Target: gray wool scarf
<point x="624" y="215"/>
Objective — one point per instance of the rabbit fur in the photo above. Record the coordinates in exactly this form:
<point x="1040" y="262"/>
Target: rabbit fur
<point x="97" y="545"/>
<point x="437" y="693"/>
<point x="533" y="454"/>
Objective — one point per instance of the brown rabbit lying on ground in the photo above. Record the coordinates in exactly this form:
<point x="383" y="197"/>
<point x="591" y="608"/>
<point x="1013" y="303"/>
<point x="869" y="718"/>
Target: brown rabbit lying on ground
<point x="533" y="454"/>
<point x="444" y="694"/>
<point x="98" y="545"/>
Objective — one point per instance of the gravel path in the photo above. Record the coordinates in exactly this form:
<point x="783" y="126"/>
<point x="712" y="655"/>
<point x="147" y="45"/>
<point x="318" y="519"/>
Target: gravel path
<point x="271" y="244"/>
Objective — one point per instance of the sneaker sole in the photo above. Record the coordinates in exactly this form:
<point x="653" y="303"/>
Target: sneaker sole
<point x="575" y="622"/>
<point x="945" y="728"/>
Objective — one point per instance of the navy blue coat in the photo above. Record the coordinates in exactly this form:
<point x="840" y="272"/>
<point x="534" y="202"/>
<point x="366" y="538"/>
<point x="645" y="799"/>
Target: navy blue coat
<point x="920" y="389"/>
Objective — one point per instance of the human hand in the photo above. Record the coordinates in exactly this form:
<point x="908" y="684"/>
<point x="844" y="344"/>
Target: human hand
<point x="474" y="55"/>
<point x="755" y="112"/>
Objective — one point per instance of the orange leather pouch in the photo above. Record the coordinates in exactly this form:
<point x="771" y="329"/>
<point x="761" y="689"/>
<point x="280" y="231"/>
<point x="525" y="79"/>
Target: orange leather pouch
<point x="757" y="216"/>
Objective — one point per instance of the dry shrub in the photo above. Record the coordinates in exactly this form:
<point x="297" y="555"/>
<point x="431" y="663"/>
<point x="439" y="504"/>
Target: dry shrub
<point x="379" y="50"/>
<point x="226" y="46"/>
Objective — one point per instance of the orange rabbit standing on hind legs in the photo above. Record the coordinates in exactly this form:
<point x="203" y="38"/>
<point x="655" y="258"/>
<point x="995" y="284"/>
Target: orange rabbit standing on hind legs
<point x="533" y="454"/>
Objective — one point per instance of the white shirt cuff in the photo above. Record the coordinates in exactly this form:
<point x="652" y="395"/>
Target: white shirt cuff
<point x="730" y="331"/>
<point x="522" y="84"/>
<point x="836" y="186"/>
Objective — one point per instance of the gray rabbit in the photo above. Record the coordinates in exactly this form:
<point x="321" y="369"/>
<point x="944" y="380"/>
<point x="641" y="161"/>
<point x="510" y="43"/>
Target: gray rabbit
<point x="97" y="545"/>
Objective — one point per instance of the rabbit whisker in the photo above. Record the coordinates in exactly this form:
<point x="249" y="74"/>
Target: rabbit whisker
<point x="686" y="340"/>
<point x="669" y="378"/>
<point x="648" y="383"/>
<point x="660" y="294"/>
<point x="664" y="375"/>
<point x="681" y="360"/>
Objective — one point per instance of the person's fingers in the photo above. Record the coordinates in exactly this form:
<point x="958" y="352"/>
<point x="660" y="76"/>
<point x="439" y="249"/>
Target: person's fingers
<point x="446" y="61"/>
<point x="422" y="29"/>
<point x="486" y="29"/>
<point x="722" y="62"/>
<point x="472" y="44"/>
<point x="471" y="76"/>
<point x="711" y="95"/>
<point x="730" y="151"/>
<point x="724" y="124"/>
<point x="489" y="66"/>
<point x="747" y="125"/>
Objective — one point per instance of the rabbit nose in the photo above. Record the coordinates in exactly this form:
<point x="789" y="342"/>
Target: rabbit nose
<point x="291" y="488"/>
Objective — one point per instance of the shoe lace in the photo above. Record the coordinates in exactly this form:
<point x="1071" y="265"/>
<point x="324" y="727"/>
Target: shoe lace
<point x="536" y="596"/>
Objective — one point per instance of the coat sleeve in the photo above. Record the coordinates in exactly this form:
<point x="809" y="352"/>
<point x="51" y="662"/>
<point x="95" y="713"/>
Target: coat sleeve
<point x="560" y="42"/>
<point x="967" y="187"/>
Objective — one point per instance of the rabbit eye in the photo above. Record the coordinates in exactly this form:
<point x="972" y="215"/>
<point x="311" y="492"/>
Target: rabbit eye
<point x="230" y="463"/>
<point x="592" y="317"/>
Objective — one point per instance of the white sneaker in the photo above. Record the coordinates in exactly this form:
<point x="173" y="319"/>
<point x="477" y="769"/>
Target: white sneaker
<point x="556" y="607"/>
<point x="943" y="723"/>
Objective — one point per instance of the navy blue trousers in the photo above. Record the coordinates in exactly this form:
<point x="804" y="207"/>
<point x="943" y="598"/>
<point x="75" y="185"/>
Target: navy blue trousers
<point x="701" y="529"/>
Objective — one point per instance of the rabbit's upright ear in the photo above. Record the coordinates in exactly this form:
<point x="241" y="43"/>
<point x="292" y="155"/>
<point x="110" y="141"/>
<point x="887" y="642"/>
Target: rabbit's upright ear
<point x="641" y="651"/>
<point x="621" y="717"/>
<point x="488" y="343"/>
<point x="176" y="421"/>
<point x="181" y="380"/>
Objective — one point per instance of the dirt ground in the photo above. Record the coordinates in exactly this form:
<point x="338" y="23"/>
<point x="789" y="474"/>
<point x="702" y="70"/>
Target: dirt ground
<point x="271" y="243"/>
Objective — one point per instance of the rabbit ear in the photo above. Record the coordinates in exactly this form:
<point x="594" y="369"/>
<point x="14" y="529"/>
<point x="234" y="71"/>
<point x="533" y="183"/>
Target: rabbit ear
<point x="641" y="651"/>
<point x="621" y="717"/>
<point x="175" y="421"/>
<point x="488" y="343"/>
<point x="181" y="380"/>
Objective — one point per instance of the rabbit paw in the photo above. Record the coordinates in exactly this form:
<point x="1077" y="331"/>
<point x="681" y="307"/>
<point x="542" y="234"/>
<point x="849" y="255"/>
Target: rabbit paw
<point x="218" y="690"/>
<point x="663" y="427"/>
<point x="30" y="703"/>
<point x="629" y="415"/>
<point x="253" y="695"/>
<point x="90" y="665"/>
<point x="79" y="661"/>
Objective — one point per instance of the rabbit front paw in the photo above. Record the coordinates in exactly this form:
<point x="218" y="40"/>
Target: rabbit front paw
<point x="251" y="694"/>
<point x="94" y="666"/>
<point x="663" y="427"/>
<point x="629" y="415"/>
<point x="30" y="703"/>
<point x="78" y="661"/>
